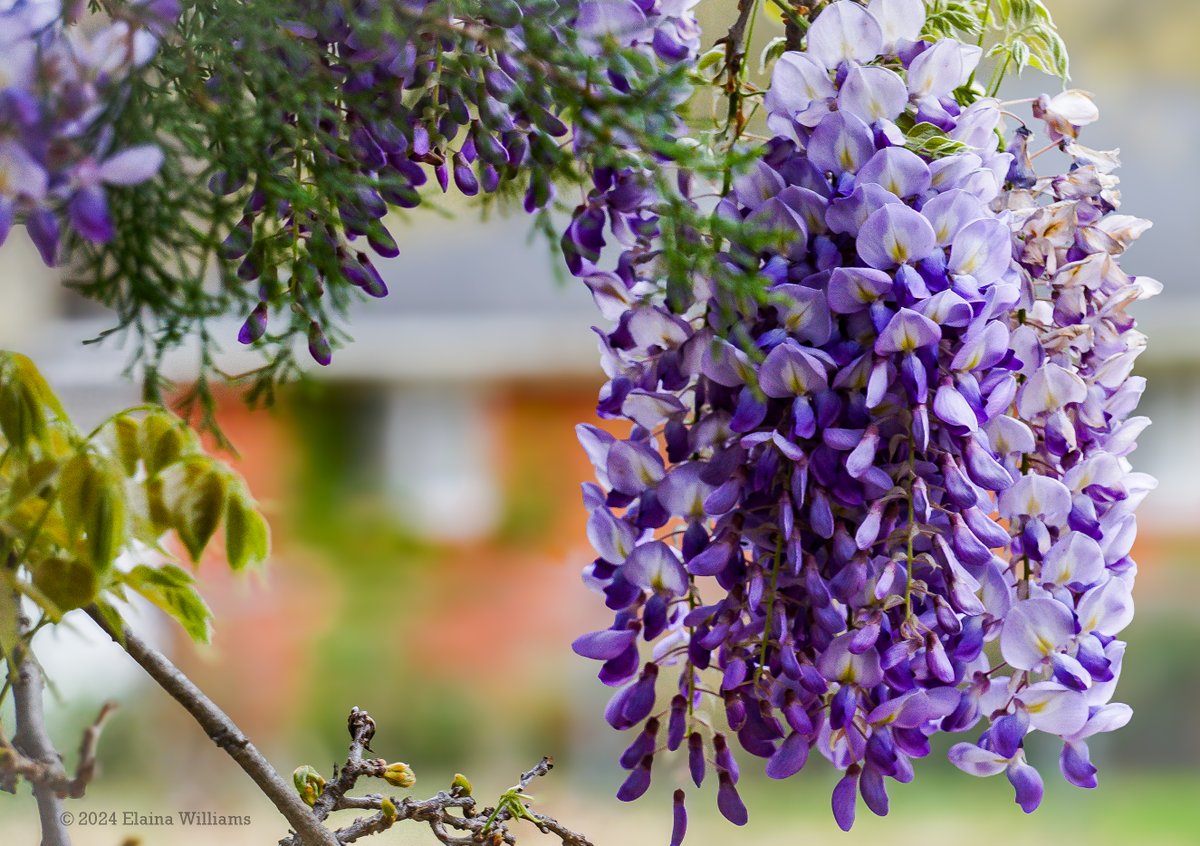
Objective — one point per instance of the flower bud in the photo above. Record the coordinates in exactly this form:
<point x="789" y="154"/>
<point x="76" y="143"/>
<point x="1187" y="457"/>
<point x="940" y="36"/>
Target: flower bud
<point x="399" y="775"/>
<point x="309" y="784"/>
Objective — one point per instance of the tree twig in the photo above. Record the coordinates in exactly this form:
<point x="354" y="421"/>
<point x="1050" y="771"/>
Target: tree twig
<point x="52" y="774"/>
<point x="735" y="60"/>
<point x="447" y="813"/>
<point x="225" y="733"/>
<point x="32" y="740"/>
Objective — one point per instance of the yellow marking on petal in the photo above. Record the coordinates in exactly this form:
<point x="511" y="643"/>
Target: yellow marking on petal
<point x="844" y="157"/>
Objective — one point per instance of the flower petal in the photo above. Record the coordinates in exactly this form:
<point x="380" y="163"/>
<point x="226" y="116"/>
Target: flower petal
<point x="844" y="31"/>
<point x="893" y="235"/>
<point x="1033" y="629"/>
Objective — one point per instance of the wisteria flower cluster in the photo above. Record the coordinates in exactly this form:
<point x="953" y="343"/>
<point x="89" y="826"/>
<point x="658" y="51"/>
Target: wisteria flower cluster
<point x="407" y="108"/>
<point x="891" y="497"/>
<point x="57" y="87"/>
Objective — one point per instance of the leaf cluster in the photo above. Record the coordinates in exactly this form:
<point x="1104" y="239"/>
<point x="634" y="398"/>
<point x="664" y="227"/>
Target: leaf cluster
<point x="85" y="517"/>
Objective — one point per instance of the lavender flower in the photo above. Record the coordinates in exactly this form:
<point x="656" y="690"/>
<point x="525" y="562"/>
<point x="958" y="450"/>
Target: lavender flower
<point x="486" y="123"/>
<point x="832" y="496"/>
<point x="55" y="84"/>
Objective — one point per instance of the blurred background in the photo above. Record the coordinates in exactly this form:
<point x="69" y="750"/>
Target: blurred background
<point x="423" y="493"/>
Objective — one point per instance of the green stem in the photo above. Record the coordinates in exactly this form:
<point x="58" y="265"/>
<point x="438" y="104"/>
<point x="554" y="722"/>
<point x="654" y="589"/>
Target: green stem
<point x="983" y="26"/>
<point x="790" y="13"/>
<point x="999" y="76"/>
<point x="766" y="635"/>
<point x="912" y="518"/>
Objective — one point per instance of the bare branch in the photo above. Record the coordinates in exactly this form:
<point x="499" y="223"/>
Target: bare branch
<point x="223" y="732"/>
<point x="51" y="774"/>
<point x="32" y="740"/>
<point x="453" y="816"/>
<point x="735" y="61"/>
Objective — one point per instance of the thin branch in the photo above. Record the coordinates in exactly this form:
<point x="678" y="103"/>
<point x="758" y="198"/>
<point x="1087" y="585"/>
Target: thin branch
<point x="362" y="729"/>
<point x="453" y="816"/>
<point x="735" y="61"/>
<point x="32" y="740"/>
<point x="223" y="732"/>
<point x="51" y="774"/>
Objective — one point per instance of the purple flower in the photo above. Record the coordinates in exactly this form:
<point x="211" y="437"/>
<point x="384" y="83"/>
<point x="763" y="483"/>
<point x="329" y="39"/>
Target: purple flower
<point x="802" y="516"/>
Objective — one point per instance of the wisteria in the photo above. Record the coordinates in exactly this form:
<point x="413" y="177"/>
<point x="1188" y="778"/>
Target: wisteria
<point x="890" y="496"/>
<point x="871" y="363"/>
<point x="57" y="156"/>
<point x="412" y="103"/>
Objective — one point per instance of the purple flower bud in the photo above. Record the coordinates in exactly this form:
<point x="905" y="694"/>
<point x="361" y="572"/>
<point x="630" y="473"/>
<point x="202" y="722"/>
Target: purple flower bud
<point x="677" y="722"/>
<point x="1075" y="764"/>
<point x="318" y="345"/>
<point x="1027" y="783"/>
<point x="604" y="645"/>
<point x="729" y="803"/>
<point x="845" y="797"/>
<point x="696" y="763"/>
<point x="642" y="746"/>
<point x="464" y="177"/>
<point x="255" y="325"/>
<point x="790" y="758"/>
<point x="641" y="697"/>
<point x="1007" y="733"/>
<point x="723" y="757"/>
<point x="873" y="791"/>
<point x="679" y="819"/>
<point x="637" y="782"/>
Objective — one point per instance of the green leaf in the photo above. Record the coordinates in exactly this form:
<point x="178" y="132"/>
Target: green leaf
<point x="173" y="590"/>
<point x="200" y="505"/>
<point x="125" y="435"/>
<point x="76" y="493"/>
<point x="93" y="505"/>
<point x="21" y="420"/>
<point x="1019" y="50"/>
<point x="66" y="583"/>
<point x="112" y="618"/>
<point x="161" y="443"/>
<point x="32" y="379"/>
<point x="32" y="481"/>
<point x="10" y="617"/>
<point x="247" y="535"/>
<point x="106" y="523"/>
<point x="930" y="141"/>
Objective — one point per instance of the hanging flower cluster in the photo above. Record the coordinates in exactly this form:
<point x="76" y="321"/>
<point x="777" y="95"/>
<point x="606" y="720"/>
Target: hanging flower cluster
<point x="834" y="499"/>
<point x="1071" y="513"/>
<point x="409" y="108"/>
<point x="56" y="86"/>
